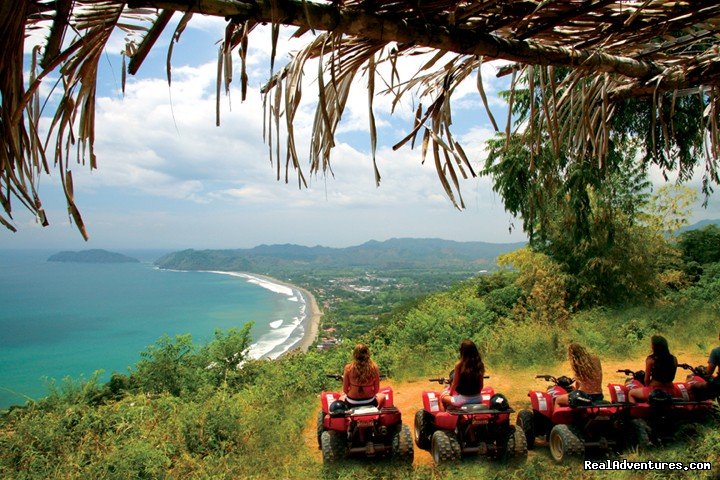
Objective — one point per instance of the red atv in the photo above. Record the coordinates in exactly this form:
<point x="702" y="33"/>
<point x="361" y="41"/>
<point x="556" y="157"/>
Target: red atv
<point x="482" y="428"/>
<point x="571" y="430"/>
<point x="657" y="419"/>
<point x="344" y="430"/>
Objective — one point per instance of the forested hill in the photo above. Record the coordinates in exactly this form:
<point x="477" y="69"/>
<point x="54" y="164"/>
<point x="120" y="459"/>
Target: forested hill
<point x="396" y="253"/>
<point x="92" y="256"/>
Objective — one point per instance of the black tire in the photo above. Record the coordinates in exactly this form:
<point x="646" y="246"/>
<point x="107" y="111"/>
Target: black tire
<point x="444" y="447"/>
<point x="320" y="428"/>
<point x="639" y="434"/>
<point x="333" y="446"/>
<point x="526" y="421"/>
<point x="402" y="446"/>
<point x="423" y="430"/>
<point x="565" y="443"/>
<point x="515" y="445"/>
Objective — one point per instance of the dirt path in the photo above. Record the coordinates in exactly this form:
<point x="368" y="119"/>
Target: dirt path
<point x="513" y="383"/>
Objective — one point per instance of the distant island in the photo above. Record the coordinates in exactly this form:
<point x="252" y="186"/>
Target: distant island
<point x="92" y="256"/>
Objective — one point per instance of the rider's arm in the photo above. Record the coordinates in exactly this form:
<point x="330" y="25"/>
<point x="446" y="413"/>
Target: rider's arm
<point x="712" y="362"/>
<point x="649" y="362"/>
<point x="346" y="380"/>
<point x="376" y="382"/>
<point x="455" y="380"/>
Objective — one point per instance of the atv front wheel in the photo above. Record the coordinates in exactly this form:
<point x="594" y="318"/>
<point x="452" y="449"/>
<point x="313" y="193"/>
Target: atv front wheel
<point x="333" y="446"/>
<point x="515" y="445"/>
<point x="402" y="445"/>
<point x="320" y="427"/>
<point x="423" y="430"/>
<point x="445" y="447"/>
<point x="526" y="422"/>
<point x="565" y="442"/>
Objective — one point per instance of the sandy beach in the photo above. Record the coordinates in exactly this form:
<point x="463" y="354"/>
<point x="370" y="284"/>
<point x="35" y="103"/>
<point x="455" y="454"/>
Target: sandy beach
<point x="313" y="312"/>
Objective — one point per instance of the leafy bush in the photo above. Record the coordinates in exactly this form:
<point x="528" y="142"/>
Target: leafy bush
<point x="169" y="366"/>
<point x="136" y="459"/>
<point x="502" y="300"/>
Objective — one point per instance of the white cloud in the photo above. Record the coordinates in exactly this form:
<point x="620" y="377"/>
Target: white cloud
<point x="167" y="173"/>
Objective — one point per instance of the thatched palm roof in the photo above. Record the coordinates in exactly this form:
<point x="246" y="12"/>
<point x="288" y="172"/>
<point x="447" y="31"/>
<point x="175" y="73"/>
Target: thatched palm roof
<point x="614" y="50"/>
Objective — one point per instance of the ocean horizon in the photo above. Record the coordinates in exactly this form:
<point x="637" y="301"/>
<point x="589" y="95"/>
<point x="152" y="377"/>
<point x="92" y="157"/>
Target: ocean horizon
<point x="63" y="320"/>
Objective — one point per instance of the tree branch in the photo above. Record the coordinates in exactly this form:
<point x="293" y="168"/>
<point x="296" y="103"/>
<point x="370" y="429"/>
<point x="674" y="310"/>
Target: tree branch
<point x="356" y="22"/>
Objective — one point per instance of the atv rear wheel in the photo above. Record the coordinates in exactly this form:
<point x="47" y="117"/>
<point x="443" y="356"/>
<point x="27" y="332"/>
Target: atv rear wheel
<point x="639" y="434"/>
<point x="445" y="447"/>
<point x="565" y="442"/>
<point x="526" y="422"/>
<point x="423" y="430"/>
<point x="515" y="445"/>
<point x="320" y="427"/>
<point x="402" y="445"/>
<point x="333" y="446"/>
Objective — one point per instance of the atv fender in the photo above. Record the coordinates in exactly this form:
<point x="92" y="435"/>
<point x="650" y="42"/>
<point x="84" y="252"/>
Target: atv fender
<point x="445" y="421"/>
<point x="431" y="402"/>
<point x="542" y="402"/>
<point x="618" y="393"/>
<point x="327" y="398"/>
<point x="389" y="399"/>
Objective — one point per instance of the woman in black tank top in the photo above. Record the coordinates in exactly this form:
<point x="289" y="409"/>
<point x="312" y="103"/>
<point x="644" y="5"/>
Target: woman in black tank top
<point x="661" y="365"/>
<point x="660" y="368"/>
<point x="467" y="382"/>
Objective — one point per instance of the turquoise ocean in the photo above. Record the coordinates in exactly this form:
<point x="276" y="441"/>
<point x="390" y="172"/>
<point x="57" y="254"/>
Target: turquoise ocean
<point x="62" y="320"/>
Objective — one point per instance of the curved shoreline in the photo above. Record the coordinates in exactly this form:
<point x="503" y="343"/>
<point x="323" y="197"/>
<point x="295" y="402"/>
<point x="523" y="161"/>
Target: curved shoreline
<point x="313" y="313"/>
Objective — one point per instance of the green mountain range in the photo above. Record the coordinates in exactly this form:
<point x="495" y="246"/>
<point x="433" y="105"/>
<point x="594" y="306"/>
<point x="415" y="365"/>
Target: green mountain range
<point x="396" y="253"/>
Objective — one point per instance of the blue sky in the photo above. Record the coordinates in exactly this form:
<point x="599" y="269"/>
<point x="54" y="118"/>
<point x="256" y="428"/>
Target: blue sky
<point x="169" y="178"/>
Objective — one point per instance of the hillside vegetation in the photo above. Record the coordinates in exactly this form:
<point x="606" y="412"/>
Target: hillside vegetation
<point x="188" y="411"/>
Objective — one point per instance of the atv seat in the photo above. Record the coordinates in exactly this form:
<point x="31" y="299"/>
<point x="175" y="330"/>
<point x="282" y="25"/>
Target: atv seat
<point x="470" y="408"/>
<point x="365" y="410"/>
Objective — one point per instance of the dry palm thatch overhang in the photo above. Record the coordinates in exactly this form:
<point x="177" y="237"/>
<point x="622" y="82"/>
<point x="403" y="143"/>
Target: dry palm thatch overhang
<point x="613" y="50"/>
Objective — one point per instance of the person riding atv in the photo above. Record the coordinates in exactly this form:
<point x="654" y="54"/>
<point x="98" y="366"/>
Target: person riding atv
<point x="361" y="380"/>
<point x="466" y="379"/>
<point x="588" y="374"/>
<point x="660" y="369"/>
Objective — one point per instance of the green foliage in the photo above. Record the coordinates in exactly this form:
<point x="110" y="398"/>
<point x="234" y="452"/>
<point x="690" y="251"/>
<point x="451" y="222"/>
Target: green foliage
<point x="701" y="246"/>
<point x="225" y="353"/>
<point x="669" y="209"/>
<point x="528" y="343"/>
<point x="707" y="289"/>
<point x="136" y="459"/>
<point x="543" y="287"/>
<point x="169" y="366"/>
<point x="675" y="149"/>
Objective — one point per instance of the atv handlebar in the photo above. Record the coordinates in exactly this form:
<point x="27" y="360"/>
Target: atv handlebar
<point x="446" y="381"/>
<point x="700" y="370"/>
<point x="626" y="371"/>
<point x="340" y="377"/>
<point x="562" y="381"/>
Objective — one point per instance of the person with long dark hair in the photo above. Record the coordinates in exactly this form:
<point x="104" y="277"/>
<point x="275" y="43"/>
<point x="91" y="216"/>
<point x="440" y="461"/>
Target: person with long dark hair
<point x="660" y="368"/>
<point x="467" y="378"/>
<point x="361" y="379"/>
